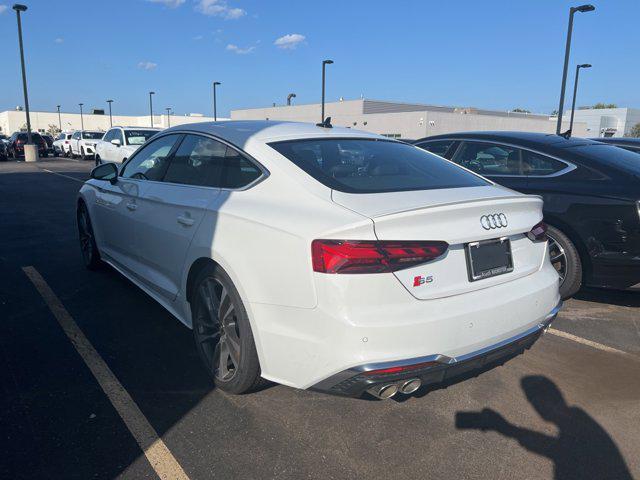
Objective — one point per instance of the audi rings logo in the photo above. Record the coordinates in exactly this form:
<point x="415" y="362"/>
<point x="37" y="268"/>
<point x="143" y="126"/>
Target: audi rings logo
<point x="493" y="221"/>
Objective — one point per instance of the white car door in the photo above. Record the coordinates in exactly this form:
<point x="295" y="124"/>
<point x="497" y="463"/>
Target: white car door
<point x="117" y="205"/>
<point x="173" y="209"/>
<point x="74" y="147"/>
<point x="104" y="146"/>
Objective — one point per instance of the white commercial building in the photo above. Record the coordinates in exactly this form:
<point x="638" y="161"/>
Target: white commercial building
<point x="407" y="120"/>
<point x="606" y="122"/>
<point x="15" y="120"/>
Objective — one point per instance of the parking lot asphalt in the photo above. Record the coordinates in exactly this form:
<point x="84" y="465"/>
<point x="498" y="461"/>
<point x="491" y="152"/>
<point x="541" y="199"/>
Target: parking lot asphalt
<point x="568" y="408"/>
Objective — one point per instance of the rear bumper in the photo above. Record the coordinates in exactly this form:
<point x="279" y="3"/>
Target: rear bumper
<point x="439" y="369"/>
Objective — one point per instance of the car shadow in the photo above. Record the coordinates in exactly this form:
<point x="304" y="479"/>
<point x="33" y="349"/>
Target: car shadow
<point x="582" y="449"/>
<point x="621" y="298"/>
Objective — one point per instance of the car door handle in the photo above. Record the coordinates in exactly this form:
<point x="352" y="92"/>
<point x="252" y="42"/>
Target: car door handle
<point x="132" y="206"/>
<point x="184" y="220"/>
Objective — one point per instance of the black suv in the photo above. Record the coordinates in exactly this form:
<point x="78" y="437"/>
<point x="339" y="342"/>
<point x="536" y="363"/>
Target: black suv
<point x="591" y="195"/>
<point x="19" y="139"/>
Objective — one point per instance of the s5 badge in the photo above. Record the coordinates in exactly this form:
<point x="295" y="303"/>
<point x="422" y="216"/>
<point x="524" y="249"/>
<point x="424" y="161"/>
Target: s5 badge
<point x="420" y="280"/>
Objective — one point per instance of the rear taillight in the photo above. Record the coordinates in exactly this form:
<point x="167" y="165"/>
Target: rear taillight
<point x="364" y="256"/>
<point x="19" y="142"/>
<point x="538" y="233"/>
<point x="66" y="142"/>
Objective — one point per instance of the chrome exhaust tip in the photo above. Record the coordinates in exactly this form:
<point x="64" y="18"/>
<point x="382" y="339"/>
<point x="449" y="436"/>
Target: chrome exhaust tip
<point x="384" y="392"/>
<point x="411" y="386"/>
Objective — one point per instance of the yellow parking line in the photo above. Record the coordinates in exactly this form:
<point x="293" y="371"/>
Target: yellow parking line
<point x="157" y="453"/>
<point x="590" y="343"/>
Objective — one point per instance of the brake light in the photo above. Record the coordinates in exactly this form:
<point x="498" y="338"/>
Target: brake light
<point x="538" y="233"/>
<point x="365" y="256"/>
<point x="66" y="142"/>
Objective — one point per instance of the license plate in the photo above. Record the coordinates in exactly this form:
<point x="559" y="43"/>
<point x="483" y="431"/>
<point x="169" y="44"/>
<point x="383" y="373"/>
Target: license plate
<point x="489" y="258"/>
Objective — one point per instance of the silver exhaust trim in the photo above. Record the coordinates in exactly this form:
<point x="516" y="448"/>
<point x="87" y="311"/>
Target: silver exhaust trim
<point x="385" y="391"/>
<point x="410" y="386"/>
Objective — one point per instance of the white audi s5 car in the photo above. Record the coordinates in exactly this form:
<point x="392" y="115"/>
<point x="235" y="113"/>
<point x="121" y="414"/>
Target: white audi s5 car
<point x="323" y="258"/>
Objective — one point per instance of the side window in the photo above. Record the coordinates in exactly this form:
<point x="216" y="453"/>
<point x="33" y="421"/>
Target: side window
<point x="198" y="161"/>
<point x="76" y="135"/>
<point x="237" y="171"/>
<point x="536" y="164"/>
<point x="489" y="159"/>
<point x="209" y="163"/>
<point x="118" y="135"/>
<point x="150" y="162"/>
<point x="439" y="147"/>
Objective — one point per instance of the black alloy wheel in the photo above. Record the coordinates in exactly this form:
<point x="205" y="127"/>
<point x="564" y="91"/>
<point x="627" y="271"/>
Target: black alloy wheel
<point x="88" y="247"/>
<point x="222" y="333"/>
<point x="566" y="260"/>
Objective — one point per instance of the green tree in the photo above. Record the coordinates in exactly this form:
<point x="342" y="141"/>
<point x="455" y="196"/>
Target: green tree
<point x="521" y="110"/>
<point x="635" y="131"/>
<point x="600" y="105"/>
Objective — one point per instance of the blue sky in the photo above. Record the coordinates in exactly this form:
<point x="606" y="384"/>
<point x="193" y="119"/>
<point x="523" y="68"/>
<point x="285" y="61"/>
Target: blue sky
<point x="489" y="54"/>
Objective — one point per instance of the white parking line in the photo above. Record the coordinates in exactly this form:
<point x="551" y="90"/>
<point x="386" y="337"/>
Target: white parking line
<point x="157" y="453"/>
<point x="590" y="343"/>
<point x="62" y="175"/>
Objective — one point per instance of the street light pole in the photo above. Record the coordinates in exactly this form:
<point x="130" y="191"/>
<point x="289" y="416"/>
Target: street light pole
<point x="572" y="11"/>
<point x="110" y="117"/>
<point x="324" y="64"/>
<point x="575" y="90"/>
<point x="151" y="107"/>
<point x="81" y="117"/>
<point x="215" y="106"/>
<point x="23" y="8"/>
<point x="168" y="109"/>
<point x="59" y="118"/>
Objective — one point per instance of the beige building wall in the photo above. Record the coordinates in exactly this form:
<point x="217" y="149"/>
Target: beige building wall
<point x="12" y="121"/>
<point x="413" y="124"/>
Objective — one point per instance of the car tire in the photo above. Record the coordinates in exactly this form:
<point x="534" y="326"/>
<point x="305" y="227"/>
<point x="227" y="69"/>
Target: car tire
<point x="82" y="154"/>
<point x="88" y="247"/>
<point x="566" y="260"/>
<point x="98" y="160"/>
<point x="225" y="346"/>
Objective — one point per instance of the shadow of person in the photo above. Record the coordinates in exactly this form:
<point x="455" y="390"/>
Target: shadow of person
<point x="582" y="449"/>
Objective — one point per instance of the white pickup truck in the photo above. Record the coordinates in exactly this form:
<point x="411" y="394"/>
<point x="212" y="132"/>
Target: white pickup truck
<point x="83" y="143"/>
<point x="119" y="143"/>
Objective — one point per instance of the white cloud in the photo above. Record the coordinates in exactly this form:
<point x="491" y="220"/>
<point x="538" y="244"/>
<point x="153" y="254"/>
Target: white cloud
<point x="169" y="3"/>
<point x="240" y="51"/>
<point x="290" y="41"/>
<point x="59" y="40"/>
<point x="198" y="37"/>
<point x="3" y="8"/>
<point x="219" y="8"/>
<point x="147" y="65"/>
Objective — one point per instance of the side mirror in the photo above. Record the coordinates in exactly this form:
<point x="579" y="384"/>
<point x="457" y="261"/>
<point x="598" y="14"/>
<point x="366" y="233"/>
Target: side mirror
<point x="116" y="142"/>
<point x="106" y="171"/>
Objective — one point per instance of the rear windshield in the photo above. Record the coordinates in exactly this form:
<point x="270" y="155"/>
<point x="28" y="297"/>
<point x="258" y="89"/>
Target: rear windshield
<point x="374" y="166"/>
<point x="138" y="137"/>
<point x="92" y="135"/>
<point x="611" y="155"/>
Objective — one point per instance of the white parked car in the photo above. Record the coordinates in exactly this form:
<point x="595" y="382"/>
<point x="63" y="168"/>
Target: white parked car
<point x="119" y="143"/>
<point x="83" y="143"/>
<point x="323" y="258"/>
<point x="62" y="143"/>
